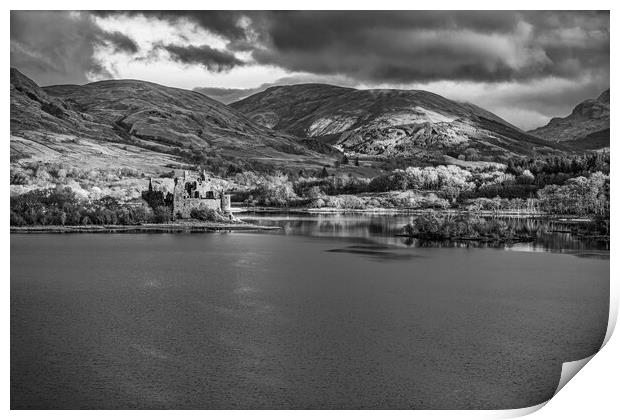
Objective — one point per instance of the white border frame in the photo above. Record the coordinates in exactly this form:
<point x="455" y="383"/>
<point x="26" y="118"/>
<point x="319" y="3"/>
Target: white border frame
<point x="592" y="394"/>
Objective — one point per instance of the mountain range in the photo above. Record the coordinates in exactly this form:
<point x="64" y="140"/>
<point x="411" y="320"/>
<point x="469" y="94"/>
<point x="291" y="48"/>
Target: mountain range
<point x="152" y="128"/>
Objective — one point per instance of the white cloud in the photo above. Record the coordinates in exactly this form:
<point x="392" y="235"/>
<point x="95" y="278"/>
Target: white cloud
<point x="149" y="31"/>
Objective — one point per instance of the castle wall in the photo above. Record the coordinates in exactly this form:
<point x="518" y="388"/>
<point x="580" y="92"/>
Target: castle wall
<point x="183" y="208"/>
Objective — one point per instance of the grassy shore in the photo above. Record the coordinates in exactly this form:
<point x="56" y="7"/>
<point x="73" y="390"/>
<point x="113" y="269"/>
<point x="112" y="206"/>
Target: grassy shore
<point x="184" y="226"/>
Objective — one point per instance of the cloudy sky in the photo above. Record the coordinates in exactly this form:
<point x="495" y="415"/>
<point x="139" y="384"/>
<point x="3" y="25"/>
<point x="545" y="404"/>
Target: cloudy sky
<point x="525" y="66"/>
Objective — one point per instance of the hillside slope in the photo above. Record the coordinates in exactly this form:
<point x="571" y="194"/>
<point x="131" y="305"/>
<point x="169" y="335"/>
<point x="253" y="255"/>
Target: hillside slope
<point x="586" y="127"/>
<point x="178" y="124"/>
<point x="389" y="122"/>
<point x="33" y="109"/>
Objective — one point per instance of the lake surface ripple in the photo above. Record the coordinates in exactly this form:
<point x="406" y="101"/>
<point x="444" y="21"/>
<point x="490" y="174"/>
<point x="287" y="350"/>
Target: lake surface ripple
<point x="333" y="311"/>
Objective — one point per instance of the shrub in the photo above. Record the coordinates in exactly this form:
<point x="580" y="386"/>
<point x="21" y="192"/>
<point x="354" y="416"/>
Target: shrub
<point x="275" y="190"/>
<point x="162" y="214"/>
<point x="206" y="214"/>
<point x="314" y="193"/>
<point x="579" y="196"/>
<point x="351" y="202"/>
<point x="19" y="177"/>
<point x="62" y="206"/>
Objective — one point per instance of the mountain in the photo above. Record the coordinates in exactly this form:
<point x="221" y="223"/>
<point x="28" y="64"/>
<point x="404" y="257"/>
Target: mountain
<point x="587" y="127"/>
<point x="390" y="123"/>
<point x="168" y="125"/>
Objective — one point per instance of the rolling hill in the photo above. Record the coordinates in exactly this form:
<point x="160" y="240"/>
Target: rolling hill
<point x="390" y="123"/>
<point x="119" y="124"/>
<point x="99" y="122"/>
<point x="587" y="127"/>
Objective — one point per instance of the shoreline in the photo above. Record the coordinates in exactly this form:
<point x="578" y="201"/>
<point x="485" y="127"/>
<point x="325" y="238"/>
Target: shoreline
<point x="188" y="227"/>
<point x="506" y="239"/>
<point x="199" y="226"/>
<point x="393" y="211"/>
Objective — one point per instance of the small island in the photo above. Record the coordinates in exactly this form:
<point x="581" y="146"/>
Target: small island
<point x="464" y="227"/>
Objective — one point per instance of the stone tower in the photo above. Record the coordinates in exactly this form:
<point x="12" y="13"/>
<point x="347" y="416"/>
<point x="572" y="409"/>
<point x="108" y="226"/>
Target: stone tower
<point x="225" y="202"/>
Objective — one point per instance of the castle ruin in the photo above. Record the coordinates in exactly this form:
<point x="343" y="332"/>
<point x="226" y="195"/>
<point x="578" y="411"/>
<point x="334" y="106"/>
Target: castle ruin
<point x="196" y="193"/>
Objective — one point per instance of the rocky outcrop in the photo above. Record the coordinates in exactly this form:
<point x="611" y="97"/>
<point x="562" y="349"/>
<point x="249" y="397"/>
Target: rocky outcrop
<point x="586" y="127"/>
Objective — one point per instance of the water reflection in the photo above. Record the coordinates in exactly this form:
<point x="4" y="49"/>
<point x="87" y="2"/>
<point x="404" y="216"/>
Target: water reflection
<point x="552" y="235"/>
<point x="381" y="253"/>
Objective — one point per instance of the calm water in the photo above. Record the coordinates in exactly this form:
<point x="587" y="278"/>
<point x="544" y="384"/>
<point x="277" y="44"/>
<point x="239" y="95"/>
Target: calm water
<point x="331" y="312"/>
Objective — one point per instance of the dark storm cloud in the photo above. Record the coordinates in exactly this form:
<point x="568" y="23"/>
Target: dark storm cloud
<point x="204" y="55"/>
<point x="223" y="23"/>
<point x="404" y="47"/>
<point x="389" y="46"/>
<point x="414" y="46"/>
<point x="491" y="56"/>
<point x="58" y="47"/>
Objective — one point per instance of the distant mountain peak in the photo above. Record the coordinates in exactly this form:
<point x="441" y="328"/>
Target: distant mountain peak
<point x="587" y="126"/>
<point x="604" y="97"/>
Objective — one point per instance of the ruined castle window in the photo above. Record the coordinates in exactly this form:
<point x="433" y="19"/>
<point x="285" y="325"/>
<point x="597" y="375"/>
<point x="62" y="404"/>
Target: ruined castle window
<point x="196" y="194"/>
<point x="210" y="194"/>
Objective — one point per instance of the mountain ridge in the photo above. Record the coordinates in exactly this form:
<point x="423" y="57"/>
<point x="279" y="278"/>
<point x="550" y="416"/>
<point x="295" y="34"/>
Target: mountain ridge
<point x="389" y="122"/>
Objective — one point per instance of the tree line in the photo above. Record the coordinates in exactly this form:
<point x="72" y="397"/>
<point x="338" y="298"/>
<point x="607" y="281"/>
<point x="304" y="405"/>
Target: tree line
<point x="576" y="185"/>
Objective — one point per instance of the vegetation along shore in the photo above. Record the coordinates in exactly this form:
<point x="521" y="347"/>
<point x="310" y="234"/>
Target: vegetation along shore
<point x="576" y="187"/>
